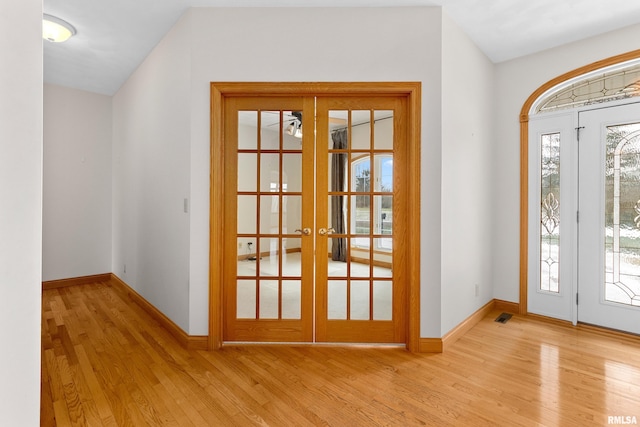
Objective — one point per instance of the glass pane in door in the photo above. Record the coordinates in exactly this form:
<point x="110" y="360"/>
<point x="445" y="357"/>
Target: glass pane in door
<point x="248" y="130"/>
<point x="269" y="295"/>
<point x="337" y="299"/>
<point x="360" y="300"/>
<point x="382" y="300"/>
<point x="270" y="180"/>
<point x="247" y="167"/>
<point x="383" y="129"/>
<point x="360" y="127"/>
<point x="291" y="299"/>
<point x="246" y="299"/>
<point x="622" y="214"/>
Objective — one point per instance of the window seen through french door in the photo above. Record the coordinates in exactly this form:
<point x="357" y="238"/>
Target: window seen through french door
<point x="382" y="219"/>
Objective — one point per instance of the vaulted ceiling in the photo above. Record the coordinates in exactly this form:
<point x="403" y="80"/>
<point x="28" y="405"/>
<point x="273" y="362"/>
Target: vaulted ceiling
<point x="115" y="36"/>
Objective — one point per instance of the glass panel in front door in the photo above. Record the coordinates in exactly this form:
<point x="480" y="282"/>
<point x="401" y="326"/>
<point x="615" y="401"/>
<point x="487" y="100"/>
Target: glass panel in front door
<point x="622" y="214"/>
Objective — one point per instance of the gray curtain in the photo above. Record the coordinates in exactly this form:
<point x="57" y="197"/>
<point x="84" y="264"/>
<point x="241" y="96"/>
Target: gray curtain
<point x="338" y="183"/>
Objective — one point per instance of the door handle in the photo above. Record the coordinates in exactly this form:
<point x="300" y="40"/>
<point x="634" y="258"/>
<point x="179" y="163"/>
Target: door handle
<point x="325" y="231"/>
<point x="305" y="231"/>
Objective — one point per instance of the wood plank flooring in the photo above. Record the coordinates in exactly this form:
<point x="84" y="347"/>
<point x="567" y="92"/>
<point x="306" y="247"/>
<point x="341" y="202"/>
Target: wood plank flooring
<point x="105" y="362"/>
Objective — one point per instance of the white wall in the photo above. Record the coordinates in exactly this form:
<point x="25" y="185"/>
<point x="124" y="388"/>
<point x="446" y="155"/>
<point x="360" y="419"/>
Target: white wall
<point x="20" y="211"/>
<point x="467" y="139"/>
<point x="76" y="183"/>
<point x="514" y="81"/>
<point x="151" y="175"/>
<point x="359" y="44"/>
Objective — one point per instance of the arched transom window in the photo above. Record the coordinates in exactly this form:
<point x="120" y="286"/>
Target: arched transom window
<point x="611" y="84"/>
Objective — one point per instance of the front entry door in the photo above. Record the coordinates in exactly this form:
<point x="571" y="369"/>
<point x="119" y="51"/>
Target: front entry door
<point x="314" y="219"/>
<point x="609" y="226"/>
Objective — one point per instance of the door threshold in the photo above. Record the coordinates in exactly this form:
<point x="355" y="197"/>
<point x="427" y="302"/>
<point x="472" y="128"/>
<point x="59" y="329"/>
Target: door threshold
<point x="312" y="344"/>
<point x="607" y="331"/>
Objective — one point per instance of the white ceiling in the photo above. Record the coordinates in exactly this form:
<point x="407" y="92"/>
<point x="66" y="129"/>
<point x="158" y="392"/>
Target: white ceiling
<point x="115" y="36"/>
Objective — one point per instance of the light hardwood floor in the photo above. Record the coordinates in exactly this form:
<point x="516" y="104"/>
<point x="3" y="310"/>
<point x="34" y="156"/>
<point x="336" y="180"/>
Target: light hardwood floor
<point x="105" y="362"/>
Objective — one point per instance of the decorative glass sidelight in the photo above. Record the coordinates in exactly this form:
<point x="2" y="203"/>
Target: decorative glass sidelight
<point x="550" y="213"/>
<point x="622" y="214"/>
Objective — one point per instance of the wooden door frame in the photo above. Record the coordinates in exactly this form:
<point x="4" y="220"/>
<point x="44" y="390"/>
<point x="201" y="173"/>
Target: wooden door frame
<point x="524" y="159"/>
<point x="221" y="90"/>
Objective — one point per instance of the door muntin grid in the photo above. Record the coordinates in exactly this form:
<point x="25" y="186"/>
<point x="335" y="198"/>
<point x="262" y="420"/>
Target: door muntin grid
<point x="269" y="211"/>
<point x="360" y="210"/>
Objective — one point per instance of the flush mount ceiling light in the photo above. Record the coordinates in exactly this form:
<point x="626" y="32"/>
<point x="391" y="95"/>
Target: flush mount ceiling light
<point x="55" y="29"/>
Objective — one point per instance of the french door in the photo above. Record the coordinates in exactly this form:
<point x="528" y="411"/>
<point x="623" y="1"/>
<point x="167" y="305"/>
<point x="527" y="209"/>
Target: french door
<point x="314" y="219"/>
<point x="268" y="215"/>
<point x="584" y="178"/>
